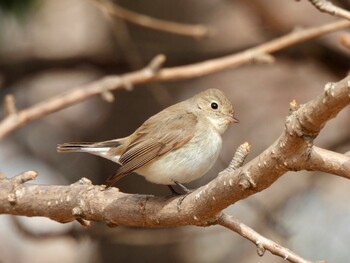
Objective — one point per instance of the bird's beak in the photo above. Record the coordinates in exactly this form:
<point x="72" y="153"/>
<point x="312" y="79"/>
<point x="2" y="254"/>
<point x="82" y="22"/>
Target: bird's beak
<point x="233" y="119"/>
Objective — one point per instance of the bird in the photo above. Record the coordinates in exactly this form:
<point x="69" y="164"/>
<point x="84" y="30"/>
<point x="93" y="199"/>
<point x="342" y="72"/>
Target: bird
<point x="175" y="146"/>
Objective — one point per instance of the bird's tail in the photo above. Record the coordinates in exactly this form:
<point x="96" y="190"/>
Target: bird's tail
<point x="106" y="149"/>
<point x="75" y="147"/>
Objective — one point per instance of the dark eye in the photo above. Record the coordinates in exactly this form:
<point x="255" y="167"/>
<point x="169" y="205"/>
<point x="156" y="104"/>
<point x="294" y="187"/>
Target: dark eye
<point x="214" y="105"/>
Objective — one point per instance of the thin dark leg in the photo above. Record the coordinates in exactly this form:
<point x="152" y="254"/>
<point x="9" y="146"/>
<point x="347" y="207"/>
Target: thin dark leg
<point x="184" y="188"/>
<point x="173" y="191"/>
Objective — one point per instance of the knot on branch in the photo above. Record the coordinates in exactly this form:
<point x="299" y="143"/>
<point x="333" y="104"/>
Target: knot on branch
<point x="295" y="128"/>
<point x="245" y="181"/>
<point x="328" y="91"/>
<point x="84" y="181"/>
<point x="260" y="249"/>
<point x="77" y="212"/>
<point x="293" y="106"/>
<point x="261" y="57"/>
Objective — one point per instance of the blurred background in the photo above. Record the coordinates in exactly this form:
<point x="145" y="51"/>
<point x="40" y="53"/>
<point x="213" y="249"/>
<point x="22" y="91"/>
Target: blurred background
<point x="48" y="47"/>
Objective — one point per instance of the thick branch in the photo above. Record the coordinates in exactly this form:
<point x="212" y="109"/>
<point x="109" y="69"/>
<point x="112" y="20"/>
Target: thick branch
<point x="83" y="200"/>
<point x="115" y="10"/>
<point x="106" y="84"/>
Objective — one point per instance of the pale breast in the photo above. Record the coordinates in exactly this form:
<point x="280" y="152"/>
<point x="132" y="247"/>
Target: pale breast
<point x="187" y="163"/>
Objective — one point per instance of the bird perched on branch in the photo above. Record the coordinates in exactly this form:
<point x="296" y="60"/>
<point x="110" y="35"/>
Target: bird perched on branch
<point x="175" y="146"/>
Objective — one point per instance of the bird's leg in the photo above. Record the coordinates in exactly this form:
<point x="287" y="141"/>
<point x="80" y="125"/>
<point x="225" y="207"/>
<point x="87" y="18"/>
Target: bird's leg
<point x="173" y="191"/>
<point x="184" y="188"/>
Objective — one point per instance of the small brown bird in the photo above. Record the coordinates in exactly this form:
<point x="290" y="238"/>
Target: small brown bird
<point x="177" y="145"/>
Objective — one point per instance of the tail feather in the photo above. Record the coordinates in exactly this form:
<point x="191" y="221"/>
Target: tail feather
<point x="98" y="148"/>
<point x="87" y="146"/>
<point x="73" y="146"/>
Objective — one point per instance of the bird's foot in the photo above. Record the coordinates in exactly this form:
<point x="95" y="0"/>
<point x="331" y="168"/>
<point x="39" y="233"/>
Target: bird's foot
<point x="183" y="188"/>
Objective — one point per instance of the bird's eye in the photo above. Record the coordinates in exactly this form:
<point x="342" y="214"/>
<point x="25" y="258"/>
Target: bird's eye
<point x="214" y="105"/>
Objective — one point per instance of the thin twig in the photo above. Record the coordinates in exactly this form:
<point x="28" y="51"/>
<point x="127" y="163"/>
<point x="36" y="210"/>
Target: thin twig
<point x="10" y="104"/>
<point x="24" y="177"/>
<point x="260" y="241"/>
<point x="156" y="63"/>
<point x="239" y="157"/>
<point x="18" y="180"/>
<point x="147" y="75"/>
<point x="328" y="7"/>
<point x="115" y="10"/>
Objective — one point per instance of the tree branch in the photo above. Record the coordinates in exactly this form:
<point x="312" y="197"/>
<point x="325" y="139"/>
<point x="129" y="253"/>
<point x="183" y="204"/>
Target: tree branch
<point x="261" y="242"/>
<point x="345" y="40"/>
<point x="148" y="75"/>
<point x="293" y="150"/>
<point x="112" y="9"/>
<point x="328" y="7"/>
<point x="326" y="161"/>
<point x="250" y="55"/>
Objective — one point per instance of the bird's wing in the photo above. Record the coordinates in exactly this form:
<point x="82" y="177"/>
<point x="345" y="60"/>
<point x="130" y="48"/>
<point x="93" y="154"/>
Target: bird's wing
<point x="168" y="132"/>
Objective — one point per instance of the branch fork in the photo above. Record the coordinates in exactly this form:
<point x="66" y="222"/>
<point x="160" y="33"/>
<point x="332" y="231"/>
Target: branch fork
<point x="19" y="180"/>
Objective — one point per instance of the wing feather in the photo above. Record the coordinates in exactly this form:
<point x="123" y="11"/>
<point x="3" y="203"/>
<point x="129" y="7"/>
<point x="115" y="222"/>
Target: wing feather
<point x="169" y="133"/>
